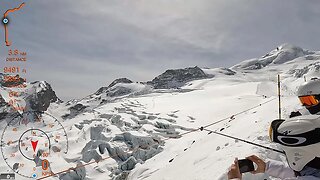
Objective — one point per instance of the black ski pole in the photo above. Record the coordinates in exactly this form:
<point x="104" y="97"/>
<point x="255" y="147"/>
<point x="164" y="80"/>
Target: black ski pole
<point x="252" y="143"/>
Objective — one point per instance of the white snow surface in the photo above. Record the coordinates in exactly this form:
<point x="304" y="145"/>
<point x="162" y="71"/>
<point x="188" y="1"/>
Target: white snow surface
<point x="197" y="155"/>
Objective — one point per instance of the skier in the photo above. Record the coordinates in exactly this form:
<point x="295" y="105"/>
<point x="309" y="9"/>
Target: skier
<point x="299" y="139"/>
<point x="309" y="96"/>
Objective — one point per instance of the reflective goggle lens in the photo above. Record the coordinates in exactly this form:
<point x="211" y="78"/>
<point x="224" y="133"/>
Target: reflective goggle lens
<point x="308" y="100"/>
<point x="273" y="128"/>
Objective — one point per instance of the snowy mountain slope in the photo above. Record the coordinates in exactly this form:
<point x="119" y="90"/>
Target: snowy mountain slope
<point x="169" y="81"/>
<point x="210" y="155"/>
<point x="140" y="127"/>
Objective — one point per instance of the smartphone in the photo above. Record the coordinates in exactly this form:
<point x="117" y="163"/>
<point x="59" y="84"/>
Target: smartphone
<point x="245" y="165"/>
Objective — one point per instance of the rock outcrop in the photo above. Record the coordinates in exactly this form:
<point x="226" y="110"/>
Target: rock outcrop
<point x="42" y="97"/>
<point x="175" y="78"/>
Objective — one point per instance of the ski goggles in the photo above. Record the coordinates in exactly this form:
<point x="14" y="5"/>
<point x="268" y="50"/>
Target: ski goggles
<point x="304" y="139"/>
<point x="310" y="100"/>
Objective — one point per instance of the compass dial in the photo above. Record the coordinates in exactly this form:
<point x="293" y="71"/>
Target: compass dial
<point x="31" y="142"/>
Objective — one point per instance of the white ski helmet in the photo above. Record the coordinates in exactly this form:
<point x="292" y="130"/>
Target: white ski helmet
<point x="311" y="87"/>
<point x="309" y="95"/>
<point x="299" y="137"/>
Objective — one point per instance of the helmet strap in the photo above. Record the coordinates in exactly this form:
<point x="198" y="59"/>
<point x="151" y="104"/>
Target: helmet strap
<point x="296" y="173"/>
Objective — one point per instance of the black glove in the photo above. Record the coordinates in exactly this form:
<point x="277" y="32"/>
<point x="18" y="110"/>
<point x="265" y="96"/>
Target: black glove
<point x="294" y="114"/>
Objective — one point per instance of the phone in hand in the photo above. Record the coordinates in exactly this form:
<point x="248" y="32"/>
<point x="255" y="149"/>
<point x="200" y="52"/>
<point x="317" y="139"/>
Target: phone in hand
<point x="245" y="165"/>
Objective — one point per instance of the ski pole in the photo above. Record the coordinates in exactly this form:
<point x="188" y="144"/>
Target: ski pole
<point x="252" y="143"/>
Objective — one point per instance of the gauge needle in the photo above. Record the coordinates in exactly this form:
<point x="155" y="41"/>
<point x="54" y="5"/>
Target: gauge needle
<point x="34" y="145"/>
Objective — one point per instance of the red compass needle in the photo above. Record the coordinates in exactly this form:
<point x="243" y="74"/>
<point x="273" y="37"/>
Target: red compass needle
<point x="34" y="145"/>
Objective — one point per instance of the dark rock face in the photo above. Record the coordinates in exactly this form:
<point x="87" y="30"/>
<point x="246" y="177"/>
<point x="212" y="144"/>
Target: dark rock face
<point x="75" y="110"/>
<point x="37" y="97"/>
<point x="117" y="81"/>
<point x="227" y="71"/>
<point x="177" y="78"/>
<point x="3" y="107"/>
<point x="40" y="101"/>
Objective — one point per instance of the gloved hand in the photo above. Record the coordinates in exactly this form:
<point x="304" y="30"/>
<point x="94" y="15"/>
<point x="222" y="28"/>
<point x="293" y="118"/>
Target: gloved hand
<point x="234" y="172"/>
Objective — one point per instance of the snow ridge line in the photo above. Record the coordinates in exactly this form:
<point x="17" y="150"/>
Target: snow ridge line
<point x="165" y="139"/>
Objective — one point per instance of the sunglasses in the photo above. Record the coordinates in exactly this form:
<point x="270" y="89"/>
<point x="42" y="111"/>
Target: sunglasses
<point x="310" y="100"/>
<point x="304" y="139"/>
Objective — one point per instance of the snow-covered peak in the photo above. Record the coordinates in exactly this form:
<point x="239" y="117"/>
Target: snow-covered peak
<point x="287" y="47"/>
<point x="22" y="96"/>
<point x="120" y="80"/>
<point x="282" y="54"/>
<point x="114" y="83"/>
<point x="40" y="86"/>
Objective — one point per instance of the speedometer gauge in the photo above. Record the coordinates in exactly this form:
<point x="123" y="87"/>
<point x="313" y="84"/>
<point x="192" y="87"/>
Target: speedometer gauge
<point x="31" y="142"/>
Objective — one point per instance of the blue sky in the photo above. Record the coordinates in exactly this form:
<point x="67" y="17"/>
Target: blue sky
<point x="81" y="45"/>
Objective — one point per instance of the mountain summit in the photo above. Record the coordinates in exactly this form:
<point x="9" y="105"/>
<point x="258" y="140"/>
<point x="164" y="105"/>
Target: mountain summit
<point x="282" y="54"/>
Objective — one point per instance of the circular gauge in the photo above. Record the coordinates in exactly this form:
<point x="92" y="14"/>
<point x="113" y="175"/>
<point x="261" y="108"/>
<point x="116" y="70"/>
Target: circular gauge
<point x="31" y="143"/>
<point x="33" y="136"/>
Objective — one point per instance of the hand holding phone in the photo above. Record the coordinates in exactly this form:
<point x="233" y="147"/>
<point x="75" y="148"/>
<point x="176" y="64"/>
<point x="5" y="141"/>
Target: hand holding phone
<point x="245" y="165"/>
